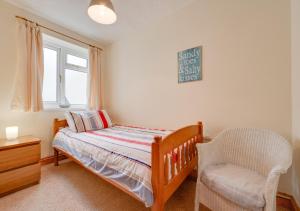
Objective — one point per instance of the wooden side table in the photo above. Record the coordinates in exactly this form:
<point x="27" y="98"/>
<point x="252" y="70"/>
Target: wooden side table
<point x="19" y="163"/>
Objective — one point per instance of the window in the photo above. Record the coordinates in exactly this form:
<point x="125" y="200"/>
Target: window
<point x="65" y="74"/>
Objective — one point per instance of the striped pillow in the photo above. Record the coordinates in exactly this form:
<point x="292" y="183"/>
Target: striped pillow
<point x="88" y="120"/>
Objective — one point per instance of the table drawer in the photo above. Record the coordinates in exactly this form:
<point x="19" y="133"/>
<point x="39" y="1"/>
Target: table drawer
<point x="18" y="178"/>
<point x="19" y="157"/>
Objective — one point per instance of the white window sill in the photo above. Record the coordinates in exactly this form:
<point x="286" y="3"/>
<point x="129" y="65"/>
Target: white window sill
<point x="48" y="107"/>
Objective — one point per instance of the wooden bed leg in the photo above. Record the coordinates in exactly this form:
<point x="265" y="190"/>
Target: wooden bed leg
<point x="158" y="206"/>
<point x="56" y="153"/>
<point x="157" y="174"/>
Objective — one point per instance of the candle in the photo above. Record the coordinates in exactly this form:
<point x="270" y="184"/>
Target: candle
<point x="12" y="132"/>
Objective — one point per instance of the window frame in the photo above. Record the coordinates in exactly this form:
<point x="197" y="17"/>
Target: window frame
<point x="57" y="49"/>
<point x="62" y="65"/>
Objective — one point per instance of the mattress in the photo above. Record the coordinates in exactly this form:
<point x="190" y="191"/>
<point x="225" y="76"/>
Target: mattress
<point x="119" y="153"/>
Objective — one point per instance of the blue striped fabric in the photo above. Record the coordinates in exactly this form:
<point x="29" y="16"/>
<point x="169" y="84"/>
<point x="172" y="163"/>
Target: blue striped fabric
<point x="122" y="154"/>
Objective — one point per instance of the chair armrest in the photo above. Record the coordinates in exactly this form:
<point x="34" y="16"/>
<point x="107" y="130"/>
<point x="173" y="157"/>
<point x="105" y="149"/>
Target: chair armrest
<point x="208" y="154"/>
<point x="270" y="189"/>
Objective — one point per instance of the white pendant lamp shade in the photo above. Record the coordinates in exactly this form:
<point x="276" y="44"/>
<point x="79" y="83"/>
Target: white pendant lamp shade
<point x="102" y="11"/>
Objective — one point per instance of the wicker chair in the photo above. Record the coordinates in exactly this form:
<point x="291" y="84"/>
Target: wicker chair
<point x="240" y="170"/>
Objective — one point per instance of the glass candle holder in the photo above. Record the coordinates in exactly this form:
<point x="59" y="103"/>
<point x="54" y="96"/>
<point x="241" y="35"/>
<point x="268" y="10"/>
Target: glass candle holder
<point x="12" y="132"/>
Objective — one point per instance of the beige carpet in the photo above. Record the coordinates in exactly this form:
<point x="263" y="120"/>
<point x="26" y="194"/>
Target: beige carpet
<point x="71" y="188"/>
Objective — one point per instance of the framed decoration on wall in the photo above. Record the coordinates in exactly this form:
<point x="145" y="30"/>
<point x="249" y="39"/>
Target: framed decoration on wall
<point x="190" y="65"/>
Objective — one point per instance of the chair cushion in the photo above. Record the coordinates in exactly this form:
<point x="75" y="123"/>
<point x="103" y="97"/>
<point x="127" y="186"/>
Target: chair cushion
<point x="237" y="184"/>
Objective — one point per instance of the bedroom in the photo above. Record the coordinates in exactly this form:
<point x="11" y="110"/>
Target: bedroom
<point x="250" y="79"/>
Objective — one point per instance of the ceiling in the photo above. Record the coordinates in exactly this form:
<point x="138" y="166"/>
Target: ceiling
<point x="72" y="14"/>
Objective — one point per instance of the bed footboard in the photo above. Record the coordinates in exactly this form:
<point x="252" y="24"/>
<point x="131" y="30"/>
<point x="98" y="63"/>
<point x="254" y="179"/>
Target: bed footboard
<point x="173" y="159"/>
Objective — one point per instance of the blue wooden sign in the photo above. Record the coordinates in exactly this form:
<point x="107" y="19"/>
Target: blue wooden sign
<point x="190" y="65"/>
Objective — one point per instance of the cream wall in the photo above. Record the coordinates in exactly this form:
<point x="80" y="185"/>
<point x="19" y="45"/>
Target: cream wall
<point x="246" y="72"/>
<point x="246" y="69"/>
<point x="38" y="124"/>
<point x="295" y="22"/>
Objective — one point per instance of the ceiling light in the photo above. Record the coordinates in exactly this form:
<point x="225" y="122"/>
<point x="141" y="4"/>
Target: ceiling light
<point x="102" y="11"/>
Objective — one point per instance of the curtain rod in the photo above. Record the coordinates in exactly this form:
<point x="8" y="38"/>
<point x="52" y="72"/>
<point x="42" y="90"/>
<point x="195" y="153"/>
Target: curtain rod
<point x="60" y="33"/>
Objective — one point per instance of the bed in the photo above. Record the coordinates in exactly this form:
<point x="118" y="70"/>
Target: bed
<point x="147" y="164"/>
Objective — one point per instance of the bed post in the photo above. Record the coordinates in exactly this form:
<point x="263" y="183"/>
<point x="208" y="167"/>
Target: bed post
<point x="55" y="130"/>
<point x="194" y="174"/>
<point x="200" y="132"/>
<point x="157" y="164"/>
<point x="55" y="126"/>
<point x="56" y="154"/>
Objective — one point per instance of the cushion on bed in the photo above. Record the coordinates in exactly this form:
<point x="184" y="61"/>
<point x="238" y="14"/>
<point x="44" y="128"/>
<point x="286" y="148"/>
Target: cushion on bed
<point x="88" y="120"/>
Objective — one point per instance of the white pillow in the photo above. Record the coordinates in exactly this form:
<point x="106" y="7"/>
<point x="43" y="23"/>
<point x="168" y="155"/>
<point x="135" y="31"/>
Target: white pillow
<point x="88" y="120"/>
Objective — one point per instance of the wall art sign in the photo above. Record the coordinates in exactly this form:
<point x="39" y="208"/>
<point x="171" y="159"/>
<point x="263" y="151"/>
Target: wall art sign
<point x="190" y="65"/>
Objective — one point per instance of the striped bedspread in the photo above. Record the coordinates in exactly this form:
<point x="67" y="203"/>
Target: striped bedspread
<point x="120" y="153"/>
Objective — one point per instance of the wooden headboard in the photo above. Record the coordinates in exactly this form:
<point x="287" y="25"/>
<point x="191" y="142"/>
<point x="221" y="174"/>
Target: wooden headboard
<point x="57" y="124"/>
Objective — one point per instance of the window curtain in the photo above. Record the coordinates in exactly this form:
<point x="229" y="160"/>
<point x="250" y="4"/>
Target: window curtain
<point x="94" y="90"/>
<point x="30" y="68"/>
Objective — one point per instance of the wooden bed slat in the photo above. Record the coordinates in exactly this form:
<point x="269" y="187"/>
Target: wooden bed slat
<point x="178" y="159"/>
<point x="188" y="150"/>
<point x="166" y="169"/>
<point x="172" y="164"/>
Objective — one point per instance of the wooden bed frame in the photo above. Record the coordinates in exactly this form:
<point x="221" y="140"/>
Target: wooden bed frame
<point x="163" y="187"/>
